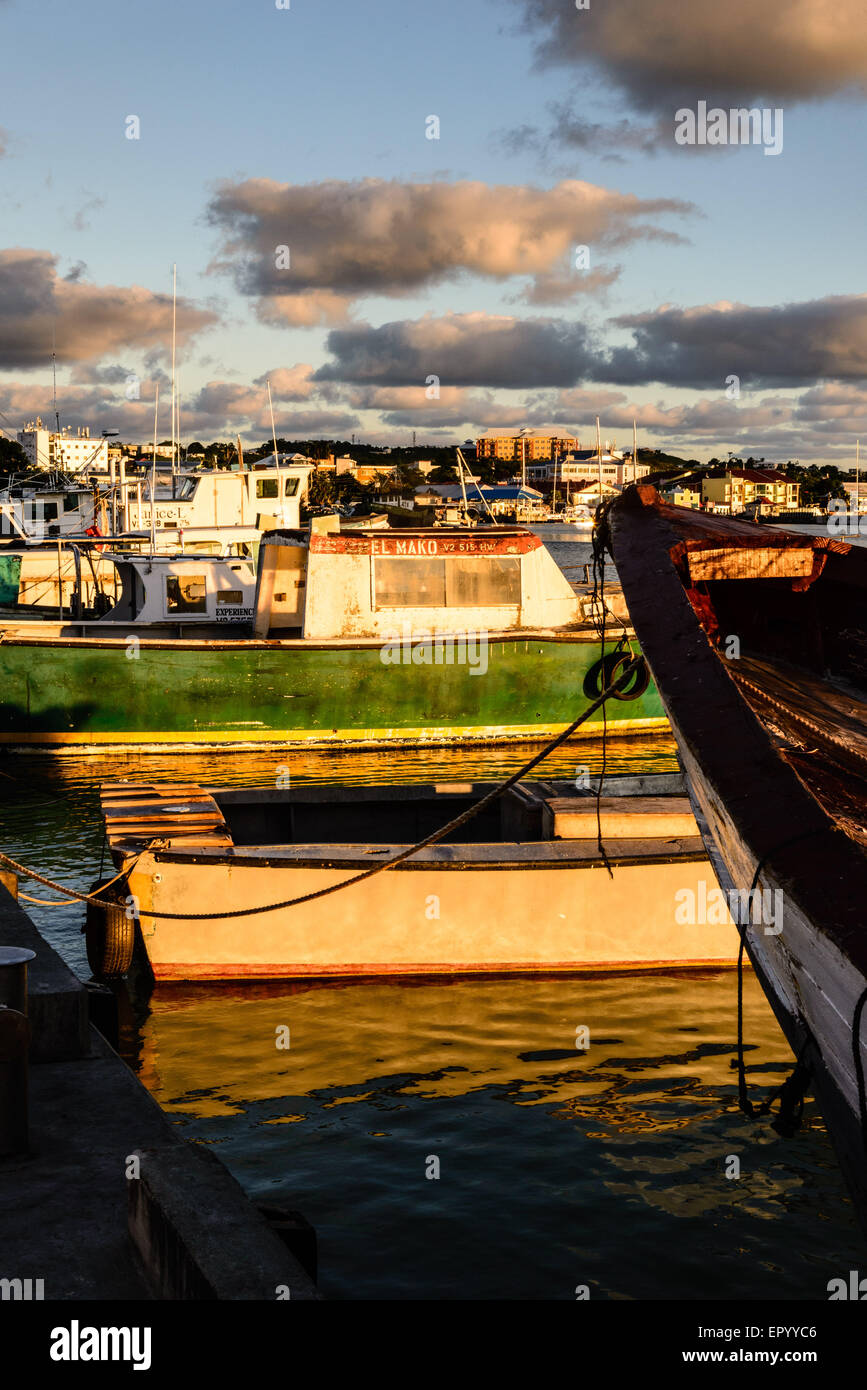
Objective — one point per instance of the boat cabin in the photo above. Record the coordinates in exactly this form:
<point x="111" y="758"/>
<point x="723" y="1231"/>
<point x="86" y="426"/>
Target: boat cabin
<point x="161" y="589"/>
<point x="390" y="584"/>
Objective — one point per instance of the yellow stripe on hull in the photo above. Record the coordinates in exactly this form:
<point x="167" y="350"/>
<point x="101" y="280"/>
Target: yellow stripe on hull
<point x="514" y="733"/>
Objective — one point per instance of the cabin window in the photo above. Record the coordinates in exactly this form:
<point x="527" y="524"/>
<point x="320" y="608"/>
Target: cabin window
<point x="416" y="582"/>
<point x="71" y="501"/>
<point x="489" y="582"/>
<point x="292" y="487"/>
<point x="233" y="598"/>
<point x="186" y="593"/>
<point x="266" y="487"/>
<point x="410" y="582"/>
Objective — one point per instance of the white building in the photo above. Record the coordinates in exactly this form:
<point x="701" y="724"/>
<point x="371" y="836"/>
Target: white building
<point x="62" y="452"/>
<point x="584" y="466"/>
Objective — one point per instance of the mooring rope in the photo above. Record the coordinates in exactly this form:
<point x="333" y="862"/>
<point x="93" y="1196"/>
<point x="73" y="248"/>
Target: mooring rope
<point x="433" y="839"/>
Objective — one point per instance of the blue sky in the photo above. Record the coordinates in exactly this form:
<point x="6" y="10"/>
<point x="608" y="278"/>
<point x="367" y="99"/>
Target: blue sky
<point x="333" y="90"/>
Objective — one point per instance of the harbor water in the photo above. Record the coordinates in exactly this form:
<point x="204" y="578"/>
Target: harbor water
<point x="453" y="1139"/>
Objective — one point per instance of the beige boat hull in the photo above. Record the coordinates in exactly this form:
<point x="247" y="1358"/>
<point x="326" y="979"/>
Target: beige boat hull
<point x="427" y="918"/>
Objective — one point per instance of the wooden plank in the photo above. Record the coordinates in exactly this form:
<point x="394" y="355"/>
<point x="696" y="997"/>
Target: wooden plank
<point x="753" y="562"/>
<point x="635" y="817"/>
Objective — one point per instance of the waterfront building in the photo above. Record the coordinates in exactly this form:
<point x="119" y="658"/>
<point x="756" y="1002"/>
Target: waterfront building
<point x="502" y="498"/>
<point x="734" y="489"/>
<point x="62" y="451"/>
<point x="584" y="465"/>
<point x="513" y="446"/>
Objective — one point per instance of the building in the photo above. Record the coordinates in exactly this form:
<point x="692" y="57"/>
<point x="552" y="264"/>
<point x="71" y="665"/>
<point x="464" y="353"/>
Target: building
<point x="503" y="499"/>
<point x="509" y="446"/>
<point x="683" y="494"/>
<point x="584" y="465"/>
<point x="735" y="489"/>
<point x="61" y="451"/>
<point x="857" y="496"/>
<point x="590" y="494"/>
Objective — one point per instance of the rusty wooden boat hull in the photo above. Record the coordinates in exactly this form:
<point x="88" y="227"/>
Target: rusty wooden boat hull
<point x="772" y="733"/>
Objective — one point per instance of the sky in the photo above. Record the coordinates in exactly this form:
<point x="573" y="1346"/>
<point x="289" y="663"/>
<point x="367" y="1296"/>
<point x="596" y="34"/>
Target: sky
<point x="380" y="206"/>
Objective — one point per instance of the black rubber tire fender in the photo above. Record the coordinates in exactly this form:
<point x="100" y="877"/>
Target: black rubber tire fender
<point x="109" y="934"/>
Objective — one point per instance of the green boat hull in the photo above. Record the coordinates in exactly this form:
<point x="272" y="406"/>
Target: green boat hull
<point x="77" y="694"/>
<point x="10" y="576"/>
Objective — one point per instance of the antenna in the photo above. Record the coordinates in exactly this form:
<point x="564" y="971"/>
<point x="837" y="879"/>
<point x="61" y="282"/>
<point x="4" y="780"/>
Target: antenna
<point x="54" y="371"/>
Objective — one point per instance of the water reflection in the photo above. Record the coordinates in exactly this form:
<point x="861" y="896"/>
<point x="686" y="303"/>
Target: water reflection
<point x="558" y="1165"/>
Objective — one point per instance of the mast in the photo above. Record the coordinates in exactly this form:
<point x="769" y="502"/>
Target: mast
<point x="276" y="455"/>
<point x="634" y="451"/>
<point x="154" y="472"/>
<point x="599" y="457"/>
<point x="858" y="478"/>
<point x="463" y="485"/>
<point x="461" y="465"/>
<point x="174" y="322"/>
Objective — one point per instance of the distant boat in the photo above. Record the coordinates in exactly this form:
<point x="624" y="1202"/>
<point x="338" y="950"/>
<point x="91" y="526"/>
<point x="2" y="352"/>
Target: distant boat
<point x="757" y="640"/>
<point x="523" y="888"/>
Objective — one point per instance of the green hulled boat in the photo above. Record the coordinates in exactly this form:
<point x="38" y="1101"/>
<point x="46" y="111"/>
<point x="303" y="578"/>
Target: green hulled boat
<point x="401" y="637"/>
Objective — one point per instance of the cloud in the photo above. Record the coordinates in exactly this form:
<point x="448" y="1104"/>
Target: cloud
<point x="666" y="54"/>
<point x="571" y="132"/>
<point x="80" y="220"/>
<point x="347" y="240"/>
<point x="289" y="383"/>
<point x="461" y="350"/>
<point x="81" y="321"/>
<point x="788" y="344"/>
<point x="218" y="410"/>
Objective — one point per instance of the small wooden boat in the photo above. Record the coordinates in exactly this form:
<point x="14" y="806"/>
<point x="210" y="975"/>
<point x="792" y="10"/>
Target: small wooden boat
<point x="522" y="887"/>
<point x="757" y="640"/>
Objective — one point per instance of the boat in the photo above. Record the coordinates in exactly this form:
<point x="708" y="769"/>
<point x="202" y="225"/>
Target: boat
<point x="523" y="887"/>
<point x="118" y="503"/>
<point x="411" y="636"/>
<point x="757" y="641"/>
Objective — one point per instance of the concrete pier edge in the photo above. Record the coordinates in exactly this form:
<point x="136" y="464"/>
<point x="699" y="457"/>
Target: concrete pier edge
<point x="69" y="1213"/>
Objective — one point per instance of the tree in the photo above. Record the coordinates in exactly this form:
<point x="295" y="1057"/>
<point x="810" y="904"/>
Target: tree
<point x="443" y="473"/>
<point x="321" y="490"/>
<point x="12" y="457"/>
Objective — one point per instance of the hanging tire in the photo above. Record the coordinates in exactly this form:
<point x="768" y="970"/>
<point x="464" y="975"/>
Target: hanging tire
<point x="109" y="934"/>
<point x="603" y="673"/>
<point x="638" y="682"/>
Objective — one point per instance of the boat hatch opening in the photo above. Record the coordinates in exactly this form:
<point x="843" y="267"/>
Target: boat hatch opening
<point x="406" y="815"/>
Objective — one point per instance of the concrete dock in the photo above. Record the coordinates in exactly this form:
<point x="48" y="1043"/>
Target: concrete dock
<point x="108" y="1202"/>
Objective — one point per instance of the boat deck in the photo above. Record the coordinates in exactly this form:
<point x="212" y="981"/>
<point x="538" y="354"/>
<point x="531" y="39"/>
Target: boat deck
<point x="823" y="729"/>
<point x="535" y="823"/>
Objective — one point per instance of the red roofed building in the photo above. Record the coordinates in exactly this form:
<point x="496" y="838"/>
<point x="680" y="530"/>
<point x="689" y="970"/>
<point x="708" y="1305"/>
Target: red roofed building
<point x="734" y="489"/>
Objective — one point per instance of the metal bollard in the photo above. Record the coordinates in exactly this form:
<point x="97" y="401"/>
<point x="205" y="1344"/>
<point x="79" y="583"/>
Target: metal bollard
<point x="14" y="1042"/>
<point x="13" y="976"/>
<point x="14" y="1045"/>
